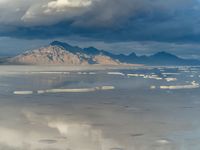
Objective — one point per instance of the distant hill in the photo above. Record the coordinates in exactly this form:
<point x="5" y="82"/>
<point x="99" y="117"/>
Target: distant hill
<point x="160" y="58"/>
<point x="4" y="59"/>
<point x="59" y="53"/>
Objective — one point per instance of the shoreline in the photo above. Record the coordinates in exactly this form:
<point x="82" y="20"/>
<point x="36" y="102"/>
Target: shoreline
<point x="44" y="68"/>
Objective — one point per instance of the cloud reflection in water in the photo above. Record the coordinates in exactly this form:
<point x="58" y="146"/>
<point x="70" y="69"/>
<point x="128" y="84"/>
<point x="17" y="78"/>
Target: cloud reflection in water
<point x="47" y="133"/>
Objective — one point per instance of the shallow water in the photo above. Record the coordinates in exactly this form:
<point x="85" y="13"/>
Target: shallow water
<point x="122" y="109"/>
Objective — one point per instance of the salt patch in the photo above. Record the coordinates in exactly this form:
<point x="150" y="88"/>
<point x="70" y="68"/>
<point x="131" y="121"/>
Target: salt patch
<point x="167" y="73"/>
<point x="135" y="75"/>
<point x="193" y="85"/>
<point x="170" y="79"/>
<point x="156" y="77"/>
<point x="47" y="72"/>
<point x="153" y="87"/>
<point x="115" y="73"/>
<point x="23" y="92"/>
<point x="152" y="77"/>
<point x="70" y="90"/>
<point x="81" y="90"/>
<point x="107" y="88"/>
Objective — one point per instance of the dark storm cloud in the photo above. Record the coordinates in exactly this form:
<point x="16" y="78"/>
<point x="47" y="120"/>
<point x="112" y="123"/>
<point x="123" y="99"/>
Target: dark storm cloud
<point x="106" y="20"/>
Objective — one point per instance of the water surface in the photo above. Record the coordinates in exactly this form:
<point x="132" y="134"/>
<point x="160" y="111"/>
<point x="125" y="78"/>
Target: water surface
<point x="135" y="113"/>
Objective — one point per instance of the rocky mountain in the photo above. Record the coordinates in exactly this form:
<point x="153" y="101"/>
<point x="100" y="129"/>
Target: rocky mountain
<point x="59" y="53"/>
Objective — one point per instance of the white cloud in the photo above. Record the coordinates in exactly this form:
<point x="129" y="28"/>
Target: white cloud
<point x="100" y="12"/>
<point x="107" y="20"/>
<point x="69" y="3"/>
<point x="51" y="12"/>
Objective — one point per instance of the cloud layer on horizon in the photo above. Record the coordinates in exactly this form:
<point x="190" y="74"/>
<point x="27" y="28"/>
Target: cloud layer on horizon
<point x="104" y="20"/>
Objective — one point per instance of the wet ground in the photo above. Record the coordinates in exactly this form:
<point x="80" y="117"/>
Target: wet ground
<point x="121" y="109"/>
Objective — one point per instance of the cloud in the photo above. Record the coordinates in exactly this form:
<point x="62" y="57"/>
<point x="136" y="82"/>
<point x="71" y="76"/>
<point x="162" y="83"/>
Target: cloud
<point x="52" y="12"/>
<point x="109" y="21"/>
<point x="68" y="3"/>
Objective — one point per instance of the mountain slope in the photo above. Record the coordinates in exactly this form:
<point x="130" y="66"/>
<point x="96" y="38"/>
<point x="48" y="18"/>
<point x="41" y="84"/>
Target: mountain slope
<point x="48" y="55"/>
<point x="164" y="58"/>
<point x="56" y="54"/>
<point x="59" y="53"/>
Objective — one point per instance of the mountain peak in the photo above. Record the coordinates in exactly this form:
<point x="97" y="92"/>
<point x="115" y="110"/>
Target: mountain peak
<point x="164" y="54"/>
<point x="58" y="43"/>
<point x="68" y="47"/>
<point x="54" y="43"/>
<point x="92" y="51"/>
<point x="132" y="54"/>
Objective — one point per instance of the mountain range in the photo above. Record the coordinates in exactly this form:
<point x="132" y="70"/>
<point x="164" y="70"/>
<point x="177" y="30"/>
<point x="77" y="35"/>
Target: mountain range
<point x="60" y="53"/>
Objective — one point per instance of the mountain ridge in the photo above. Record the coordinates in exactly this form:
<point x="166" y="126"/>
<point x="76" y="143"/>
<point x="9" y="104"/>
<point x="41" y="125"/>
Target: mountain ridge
<point x="65" y="54"/>
<point x="59" y="53"/>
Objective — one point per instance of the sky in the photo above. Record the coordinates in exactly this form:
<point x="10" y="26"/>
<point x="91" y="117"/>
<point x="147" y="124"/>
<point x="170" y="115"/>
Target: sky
<point x="120" y="26"/>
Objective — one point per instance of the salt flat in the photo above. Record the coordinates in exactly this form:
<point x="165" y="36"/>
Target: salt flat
<point x="99" y="109"/>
